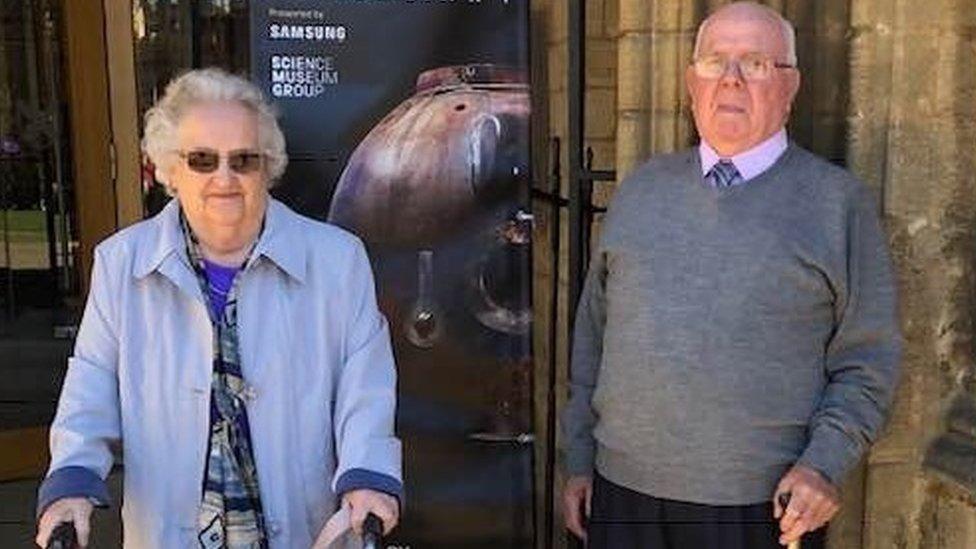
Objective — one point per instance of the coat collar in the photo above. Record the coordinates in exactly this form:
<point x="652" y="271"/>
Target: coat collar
<point x="280" y="242"/>
<point x="167" y="251"/>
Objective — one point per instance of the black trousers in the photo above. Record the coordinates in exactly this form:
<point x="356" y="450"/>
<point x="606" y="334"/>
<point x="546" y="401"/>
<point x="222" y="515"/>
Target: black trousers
<point x="622" y="518"/>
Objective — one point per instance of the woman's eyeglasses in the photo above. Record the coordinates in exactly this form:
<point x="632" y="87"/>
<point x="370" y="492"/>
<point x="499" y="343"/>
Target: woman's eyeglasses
<point x="241" y="162"/>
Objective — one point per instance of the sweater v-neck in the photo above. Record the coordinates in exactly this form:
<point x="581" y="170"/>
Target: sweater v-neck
<point x="747" y="187"/>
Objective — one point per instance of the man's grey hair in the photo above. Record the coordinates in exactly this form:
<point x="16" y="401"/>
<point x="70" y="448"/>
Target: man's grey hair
<point x="789" y="33"/>
<point x="201" y="86"/>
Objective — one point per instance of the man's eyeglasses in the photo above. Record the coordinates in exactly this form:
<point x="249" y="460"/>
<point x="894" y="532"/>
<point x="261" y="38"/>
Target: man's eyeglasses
<point x="752" y="66"/>
<point x="241" y="161"/>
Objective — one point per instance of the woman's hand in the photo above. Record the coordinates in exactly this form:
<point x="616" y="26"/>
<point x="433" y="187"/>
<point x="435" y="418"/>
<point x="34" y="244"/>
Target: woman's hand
<point x="363" y="502"/>
<point x="76" y="510"/>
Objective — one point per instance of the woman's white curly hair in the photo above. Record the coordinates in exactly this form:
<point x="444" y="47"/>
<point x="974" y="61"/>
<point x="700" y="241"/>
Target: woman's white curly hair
<point x="201" y="86"/>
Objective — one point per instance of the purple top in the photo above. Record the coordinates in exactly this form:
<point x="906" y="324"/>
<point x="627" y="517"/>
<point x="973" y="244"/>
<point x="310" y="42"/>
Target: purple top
<point x="219" y="281"/>
<point x="750" y="163"/>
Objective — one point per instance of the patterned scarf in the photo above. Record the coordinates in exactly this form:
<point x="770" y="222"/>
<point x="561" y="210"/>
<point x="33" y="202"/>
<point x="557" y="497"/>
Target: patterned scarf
<point x="230" y="513"/>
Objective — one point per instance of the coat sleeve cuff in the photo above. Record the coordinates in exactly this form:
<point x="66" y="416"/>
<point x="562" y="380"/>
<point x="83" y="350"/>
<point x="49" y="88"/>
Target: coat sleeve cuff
<point x="356" y="479"/>
<point x="831" y="453"/>
<point x="72" y="481"/>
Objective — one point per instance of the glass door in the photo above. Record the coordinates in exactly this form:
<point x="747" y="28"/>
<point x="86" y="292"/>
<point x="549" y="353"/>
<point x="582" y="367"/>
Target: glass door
<point x="39" y="301"/>
<point x="172" y="36"/>
<point x="42" y="250"/>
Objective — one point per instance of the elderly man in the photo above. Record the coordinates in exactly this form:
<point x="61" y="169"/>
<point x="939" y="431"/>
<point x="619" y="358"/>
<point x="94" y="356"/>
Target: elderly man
<point x="736" y="340"/>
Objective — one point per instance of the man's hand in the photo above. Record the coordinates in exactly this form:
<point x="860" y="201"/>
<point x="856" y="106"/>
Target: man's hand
<point x="76" y="510"/>
<point x="363" y="502"/>
<point x="577" y="496"/>
<point x="813" y="502"/>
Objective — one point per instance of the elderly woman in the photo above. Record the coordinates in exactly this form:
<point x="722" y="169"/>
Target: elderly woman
<point x="232" y="346"/>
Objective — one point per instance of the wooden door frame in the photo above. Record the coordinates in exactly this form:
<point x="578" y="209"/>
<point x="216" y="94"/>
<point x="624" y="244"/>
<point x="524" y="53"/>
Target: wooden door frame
<point x="90" y="127"/>
<point x="100" y="62"/>
<point x="124" y="113"/>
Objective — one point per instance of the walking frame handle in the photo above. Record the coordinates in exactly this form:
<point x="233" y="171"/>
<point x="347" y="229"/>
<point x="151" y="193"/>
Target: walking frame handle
<point x="372" y="532"/>
<point x="63" y="537"/>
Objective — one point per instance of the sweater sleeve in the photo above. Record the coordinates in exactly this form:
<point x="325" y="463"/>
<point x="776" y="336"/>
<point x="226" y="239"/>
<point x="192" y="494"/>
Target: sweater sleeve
<point x="862" y="356"/>
<point x="579" y="418"/>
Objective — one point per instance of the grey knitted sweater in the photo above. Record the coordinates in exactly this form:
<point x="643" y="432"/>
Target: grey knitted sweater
<point x="725" y="334"/>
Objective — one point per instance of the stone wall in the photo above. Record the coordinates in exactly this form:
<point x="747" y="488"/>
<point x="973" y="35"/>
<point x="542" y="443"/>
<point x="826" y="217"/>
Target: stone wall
<point x="912" y="128"/>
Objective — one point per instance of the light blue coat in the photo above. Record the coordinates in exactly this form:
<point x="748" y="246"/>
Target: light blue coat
<point x="314" y="348"/>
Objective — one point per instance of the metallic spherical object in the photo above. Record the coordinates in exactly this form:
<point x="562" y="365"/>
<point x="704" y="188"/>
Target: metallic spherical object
<point x="455" y="148"/>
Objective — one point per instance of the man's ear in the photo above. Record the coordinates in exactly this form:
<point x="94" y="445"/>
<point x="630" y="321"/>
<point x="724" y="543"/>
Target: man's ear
<point x="690" y="82"/>
<point x="794" y="84"/>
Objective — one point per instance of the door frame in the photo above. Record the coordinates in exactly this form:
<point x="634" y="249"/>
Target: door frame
<point x="100" y="56"/>
<point x="90" y="127"/>
<point x="124" y="113"/>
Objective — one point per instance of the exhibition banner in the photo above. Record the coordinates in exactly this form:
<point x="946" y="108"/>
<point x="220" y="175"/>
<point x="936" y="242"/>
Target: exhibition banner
<point x="407" y="123"/>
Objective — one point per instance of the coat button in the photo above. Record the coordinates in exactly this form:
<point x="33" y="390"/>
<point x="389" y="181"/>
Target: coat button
<point x="274" y="528"/>
<point x="249" y="393"/>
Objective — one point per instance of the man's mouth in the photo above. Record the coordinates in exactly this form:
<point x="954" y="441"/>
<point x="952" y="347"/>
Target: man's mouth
<point x="730" y="109"/>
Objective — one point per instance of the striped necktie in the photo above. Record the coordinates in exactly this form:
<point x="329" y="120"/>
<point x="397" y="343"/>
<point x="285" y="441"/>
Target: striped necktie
<point x="723" y="174"/>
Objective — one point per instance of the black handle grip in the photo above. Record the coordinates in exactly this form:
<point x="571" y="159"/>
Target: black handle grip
<point x="63" y="537"/>
<point x="372" y="531"/>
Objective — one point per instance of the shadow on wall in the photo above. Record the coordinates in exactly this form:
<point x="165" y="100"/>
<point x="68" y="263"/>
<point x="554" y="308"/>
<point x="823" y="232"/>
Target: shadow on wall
<point x="952" y="455"/>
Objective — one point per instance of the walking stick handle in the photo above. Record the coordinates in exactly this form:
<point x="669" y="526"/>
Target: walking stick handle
<point x="784" y="502"/>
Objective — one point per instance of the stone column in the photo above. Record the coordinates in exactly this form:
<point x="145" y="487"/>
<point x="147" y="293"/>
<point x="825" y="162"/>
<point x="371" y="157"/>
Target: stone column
<point x="634" y="86"/>
<point x="913" y="137"/>
<point x="656" y="39"/>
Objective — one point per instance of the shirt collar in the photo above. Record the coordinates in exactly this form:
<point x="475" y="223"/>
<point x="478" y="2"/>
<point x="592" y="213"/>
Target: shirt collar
<point x="749" y="163"/>
<point x="273" y="243"/>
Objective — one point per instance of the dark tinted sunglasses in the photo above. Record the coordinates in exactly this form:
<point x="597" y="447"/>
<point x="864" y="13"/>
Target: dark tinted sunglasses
<point x="242" y="161"/>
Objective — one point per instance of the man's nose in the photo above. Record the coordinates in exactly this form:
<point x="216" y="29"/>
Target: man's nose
<point x="732" y="74"/>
